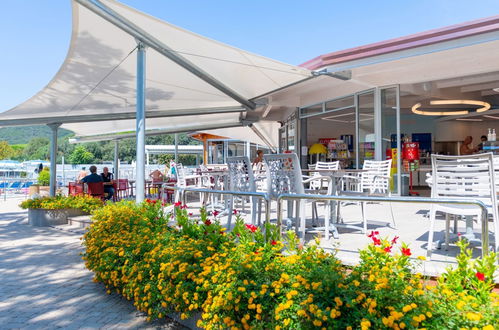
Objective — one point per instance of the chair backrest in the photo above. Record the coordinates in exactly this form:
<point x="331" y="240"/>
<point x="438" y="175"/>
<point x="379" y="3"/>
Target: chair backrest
<point x="180" y="173"/>
<point x="376" y="178"/>
<point x="95" y="188"/>
<point x="240" y="174"/>
<point x="283" y="174"/>
<point x="333" y="166"/>
<point x="75" y="188"/>
<point x="468" y="177"/>
<point x="122" y="184"/>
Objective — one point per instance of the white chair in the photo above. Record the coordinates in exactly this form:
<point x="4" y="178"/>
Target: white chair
<point x="182" y="182"/>
<point x="284" y="177"/>
<point x="241" y="179"/>
<point x="462" y="177"/>
<point x="374" y="180"/>
<point x="322" y="166"/>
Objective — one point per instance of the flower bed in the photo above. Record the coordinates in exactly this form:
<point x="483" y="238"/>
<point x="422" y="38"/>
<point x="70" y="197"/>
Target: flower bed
<point x="49" y="211"/>
<point x="247" y="279"/>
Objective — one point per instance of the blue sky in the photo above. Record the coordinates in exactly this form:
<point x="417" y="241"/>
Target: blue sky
<point x="35" y="34"/>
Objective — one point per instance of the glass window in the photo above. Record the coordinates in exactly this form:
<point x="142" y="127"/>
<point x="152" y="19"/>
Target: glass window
<point x="340" y="104"/>
<point x="311" y="110"/>
<point x="366" y="137"/>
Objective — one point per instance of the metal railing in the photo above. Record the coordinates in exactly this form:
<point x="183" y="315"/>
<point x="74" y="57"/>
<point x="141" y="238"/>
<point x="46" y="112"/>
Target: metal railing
<point x="290" y="197"/>
<point x="417" y="200"/>
<point x="261" y="195"/>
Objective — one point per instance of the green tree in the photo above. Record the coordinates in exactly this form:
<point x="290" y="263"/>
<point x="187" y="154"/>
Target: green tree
<point x="5" y="150"/>
<point x="18" y="151"/>
<point x="81" y="155"/>
<point x="37" y="148"/>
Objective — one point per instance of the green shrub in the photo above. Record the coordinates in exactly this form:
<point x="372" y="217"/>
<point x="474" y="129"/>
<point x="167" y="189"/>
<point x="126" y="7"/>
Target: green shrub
<point x="85" y="203"/>
<point x="250" y="279"/>
<point x="44" y="177"/>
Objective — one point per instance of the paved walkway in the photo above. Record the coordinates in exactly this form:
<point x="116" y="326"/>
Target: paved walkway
<point x="44" y="284"/>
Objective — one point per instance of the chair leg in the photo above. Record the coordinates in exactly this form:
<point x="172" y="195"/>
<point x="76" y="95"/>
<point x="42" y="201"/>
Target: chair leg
<point x="327" y="210"/>
<point x="301" y="215"/>
<point x="254" y="205"/>
<point x="364" y="221"/>
<point x="393" y="217"/>
<point x="447" y="230"/>
<point x="229" y="216"/>
<point x="429" y="247"/>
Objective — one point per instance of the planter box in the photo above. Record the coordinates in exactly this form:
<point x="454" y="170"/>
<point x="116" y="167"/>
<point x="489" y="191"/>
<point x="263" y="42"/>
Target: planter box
<point x="44" y="218"/>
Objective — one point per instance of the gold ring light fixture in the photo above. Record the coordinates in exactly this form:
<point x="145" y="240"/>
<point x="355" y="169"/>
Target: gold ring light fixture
<point x="484" y="106"/>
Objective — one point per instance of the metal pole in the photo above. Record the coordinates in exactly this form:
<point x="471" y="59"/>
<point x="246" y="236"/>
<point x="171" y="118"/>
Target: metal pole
<point x="63" y="173"/>
<point x="53" y="158"/>
<point x="176" y="148"/>
<point x="140" y="124"/>
<point x="116" y="160"/>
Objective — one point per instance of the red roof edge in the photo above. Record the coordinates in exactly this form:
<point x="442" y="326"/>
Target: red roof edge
<point x="447" y="33"/>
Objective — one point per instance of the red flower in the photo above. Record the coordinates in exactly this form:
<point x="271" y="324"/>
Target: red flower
<point x="388" y="249"/>
<point x="234" y="211"/>
<point x="251" y="228"/>
<point x="376" y="241"/>
<point x="394" y="240"/>
<point x="373" y="233"/>
<point x="215" y="213"/>
<point x="480" y="276"/>
<point x="458" y="234"/>
<point x="207" y="222"/>
<point x="190" y="214"/>
<point x="222" y="233"/>
<point x="273" y="242"/>
<point x="177" y="204"/>
<point x="406" y="251"/>
<point x="184" y="206"/>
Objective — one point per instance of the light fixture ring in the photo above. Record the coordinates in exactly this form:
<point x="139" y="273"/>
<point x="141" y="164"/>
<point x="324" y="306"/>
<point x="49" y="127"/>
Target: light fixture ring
<point x="484" y="107"/>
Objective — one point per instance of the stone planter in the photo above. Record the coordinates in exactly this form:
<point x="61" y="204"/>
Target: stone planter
<point x="43" y="217"/>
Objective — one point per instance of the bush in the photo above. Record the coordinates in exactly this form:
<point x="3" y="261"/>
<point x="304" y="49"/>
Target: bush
<point x="248" y="278"/>
<point x="44" y="177"/>
<point x="85" y="203"/>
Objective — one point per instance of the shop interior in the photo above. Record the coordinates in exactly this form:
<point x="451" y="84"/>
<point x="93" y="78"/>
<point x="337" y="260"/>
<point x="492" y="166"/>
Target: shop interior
<point x="435" y="117"/>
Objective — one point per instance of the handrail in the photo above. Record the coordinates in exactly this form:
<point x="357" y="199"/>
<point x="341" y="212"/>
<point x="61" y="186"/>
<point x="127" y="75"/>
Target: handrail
<point x="282" y="197"/>
<point x="261" y="195"/>
<point x="419" y="200"/>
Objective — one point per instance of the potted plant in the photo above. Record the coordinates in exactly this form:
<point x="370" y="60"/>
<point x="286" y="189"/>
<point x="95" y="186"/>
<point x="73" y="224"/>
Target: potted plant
<point x="43" y="185"/>
<point x="48" y="211"/>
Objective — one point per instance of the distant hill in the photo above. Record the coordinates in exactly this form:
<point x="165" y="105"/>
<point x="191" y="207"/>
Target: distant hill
<point x="22" y="134"/>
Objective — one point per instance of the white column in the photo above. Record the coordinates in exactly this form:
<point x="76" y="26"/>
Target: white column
<point x="53" y="158"/>
<point x="176" y="148"/>
<point x="116" y="160"/>
<point x="140" y="124"/>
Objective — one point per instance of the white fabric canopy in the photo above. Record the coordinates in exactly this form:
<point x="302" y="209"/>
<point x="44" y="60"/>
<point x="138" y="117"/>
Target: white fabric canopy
<point x="98" y="76"/>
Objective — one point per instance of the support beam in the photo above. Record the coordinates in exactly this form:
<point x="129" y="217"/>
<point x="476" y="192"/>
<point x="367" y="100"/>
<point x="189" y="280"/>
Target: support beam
<point x="53" y="158"/>
<point x="148" y="40"/>
<point x="262" y="137"/>
<point x="116" y="160"/>
<point x="140" y="167"/>
<point x="176" y="148"/>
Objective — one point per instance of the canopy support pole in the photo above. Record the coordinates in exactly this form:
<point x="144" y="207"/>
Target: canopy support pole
<point x="140" y="124"/>
<point x="176" y="148"/>
<point x="263" y="137"/>
<point x="53" y="158"/>
<point x="116" y="160"/>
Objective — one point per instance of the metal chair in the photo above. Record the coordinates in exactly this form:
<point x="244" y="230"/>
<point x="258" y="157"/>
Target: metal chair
<point x="241" y="179"/>
<point x="374" y="180"/>
<point x="284" y="176"/>
<point x="463" y="177"/>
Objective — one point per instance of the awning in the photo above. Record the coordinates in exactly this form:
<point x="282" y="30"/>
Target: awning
<point x="97" y="79"/>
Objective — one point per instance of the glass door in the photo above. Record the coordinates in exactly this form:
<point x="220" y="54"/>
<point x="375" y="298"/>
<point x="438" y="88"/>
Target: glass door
<point x="366" y="139"/>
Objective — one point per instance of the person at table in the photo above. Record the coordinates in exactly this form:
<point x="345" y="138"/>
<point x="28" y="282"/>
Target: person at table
<point x="259" y="157"/>
<point x="156" y="176"/>
<point x="465" y="147"/>
<point x="81" y="174"/>
<point x="107" y="177"/>
<point x="92" y="177"/>
<point x="483" y="138"/>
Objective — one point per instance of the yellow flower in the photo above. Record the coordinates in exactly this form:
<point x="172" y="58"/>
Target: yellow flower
<point x="422" y="258"/>
<point x="488" y="327"/>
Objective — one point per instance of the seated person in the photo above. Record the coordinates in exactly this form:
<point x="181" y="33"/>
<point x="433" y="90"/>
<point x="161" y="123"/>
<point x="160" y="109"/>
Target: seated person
<point x="93" y="177"/>
<point x="157" y="176"/>
<point x="107" y="177"/>
<point x="81" y="174"/>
